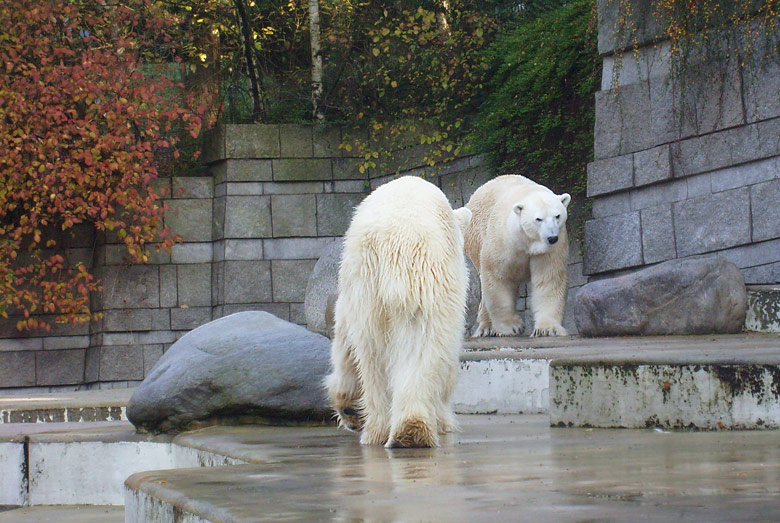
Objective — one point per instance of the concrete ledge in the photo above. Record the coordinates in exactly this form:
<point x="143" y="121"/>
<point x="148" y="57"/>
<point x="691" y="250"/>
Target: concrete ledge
<point x="13" y="487"/>
<point x="71" y="465"/>
<point x="729" y="392"/>
<point x="497" y="375"/>
<point x="496" y="383"/>
<point x="81" y="406"/>
<point x="763" y="312"/>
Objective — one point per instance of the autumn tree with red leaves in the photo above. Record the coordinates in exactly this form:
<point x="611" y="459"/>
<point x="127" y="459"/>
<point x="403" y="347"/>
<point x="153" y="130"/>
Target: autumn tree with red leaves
<point x="88" y="103"/>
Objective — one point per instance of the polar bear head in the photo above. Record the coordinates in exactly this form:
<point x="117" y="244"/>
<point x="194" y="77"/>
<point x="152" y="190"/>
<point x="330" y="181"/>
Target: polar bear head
<point x="537" y="219"/>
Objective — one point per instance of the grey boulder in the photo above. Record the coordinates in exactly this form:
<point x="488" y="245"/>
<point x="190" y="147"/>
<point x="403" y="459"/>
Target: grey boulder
<point x="689" y="296"/>
<point x="249" y="364"/>
<point x="473" y="297"/>
<point x="322" y="290"/>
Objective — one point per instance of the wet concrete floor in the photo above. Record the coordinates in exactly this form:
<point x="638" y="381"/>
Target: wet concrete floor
<point x="506" y="468"/>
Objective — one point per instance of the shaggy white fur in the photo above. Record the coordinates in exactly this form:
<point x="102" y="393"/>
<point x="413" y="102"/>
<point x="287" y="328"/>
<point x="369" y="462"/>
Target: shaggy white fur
<point x="518" y="234"/>
<point x="399" y="316"/>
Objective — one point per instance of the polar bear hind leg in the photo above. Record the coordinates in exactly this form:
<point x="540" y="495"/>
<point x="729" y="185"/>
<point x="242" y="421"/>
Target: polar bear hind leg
<point x="375" y="405"/>
<point x="418" y="379"/>
<point x="343" y="384"/>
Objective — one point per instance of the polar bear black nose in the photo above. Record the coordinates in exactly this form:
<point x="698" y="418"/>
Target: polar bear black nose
<point x="552" y="239"/>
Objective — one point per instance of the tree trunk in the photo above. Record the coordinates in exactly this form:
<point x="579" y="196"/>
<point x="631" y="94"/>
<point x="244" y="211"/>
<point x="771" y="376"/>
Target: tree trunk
<point x="316" y="60"/>
<point x="441" y="18"/>
<point x="258" y="111"/>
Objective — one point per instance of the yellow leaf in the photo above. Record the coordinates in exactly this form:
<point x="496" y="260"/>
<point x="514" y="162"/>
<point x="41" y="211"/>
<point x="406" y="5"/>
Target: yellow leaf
<point x="375" y="51"/>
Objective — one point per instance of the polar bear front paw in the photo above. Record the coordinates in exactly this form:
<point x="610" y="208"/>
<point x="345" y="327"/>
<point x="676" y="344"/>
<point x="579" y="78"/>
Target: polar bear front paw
<point x="500" y="330"/>
<point x="482" y="330"/>
<point x="548" y="330"/>
<point x="513" y="329"/>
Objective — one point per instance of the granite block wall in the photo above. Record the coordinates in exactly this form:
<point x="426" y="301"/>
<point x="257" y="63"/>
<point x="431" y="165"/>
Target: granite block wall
<point x="252" y="230"/>
<point x="683" y="171"/>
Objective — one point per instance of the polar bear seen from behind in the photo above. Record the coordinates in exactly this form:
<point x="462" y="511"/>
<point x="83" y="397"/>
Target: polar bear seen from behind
<point x="518" y="234"/>
<point x="400" y="315"/>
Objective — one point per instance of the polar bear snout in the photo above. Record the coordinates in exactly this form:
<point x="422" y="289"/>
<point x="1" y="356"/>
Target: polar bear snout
<point x="552" y="240"/>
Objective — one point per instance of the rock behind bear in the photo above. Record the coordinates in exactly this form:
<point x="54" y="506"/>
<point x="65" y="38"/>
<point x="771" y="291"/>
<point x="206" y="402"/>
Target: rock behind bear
<point x="690" y="296"/>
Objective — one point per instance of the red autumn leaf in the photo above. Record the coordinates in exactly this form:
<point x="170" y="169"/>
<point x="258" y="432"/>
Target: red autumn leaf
<point x="82" y="117"/>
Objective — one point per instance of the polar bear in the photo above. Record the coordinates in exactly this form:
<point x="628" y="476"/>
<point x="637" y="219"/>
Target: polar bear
<point x="517" y="234"/>
<point x="399" y="316"/>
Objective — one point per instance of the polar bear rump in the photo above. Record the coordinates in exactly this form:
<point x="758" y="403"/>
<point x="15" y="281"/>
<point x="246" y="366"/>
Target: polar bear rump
<point x="399" y="316"/>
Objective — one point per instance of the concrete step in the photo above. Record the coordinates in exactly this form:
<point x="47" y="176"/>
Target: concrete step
<point x="65" y="407"/>
<point x="763" y="312"/>
<point x="86" y="462"/>
<point x="726" y="382"/>
<point x="705" y="382"/>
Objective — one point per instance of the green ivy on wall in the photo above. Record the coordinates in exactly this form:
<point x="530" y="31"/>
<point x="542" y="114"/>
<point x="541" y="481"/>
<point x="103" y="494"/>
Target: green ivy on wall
<point x="538" y="118"/>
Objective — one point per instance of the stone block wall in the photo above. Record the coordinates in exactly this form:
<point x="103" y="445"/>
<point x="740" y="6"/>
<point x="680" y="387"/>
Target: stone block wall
<point x="276" y="196"/>
<point x="682" y="172"/>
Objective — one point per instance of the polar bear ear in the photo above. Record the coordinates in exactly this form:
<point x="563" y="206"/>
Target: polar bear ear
<point x="518" y="208"/>
<point x="462" y="218"/>
<point x="565" y="199"/>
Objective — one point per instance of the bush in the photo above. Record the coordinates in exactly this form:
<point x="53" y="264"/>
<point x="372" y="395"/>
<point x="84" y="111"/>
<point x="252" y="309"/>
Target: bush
<point x="83" y="126"/>
<point x="538" y="118"/>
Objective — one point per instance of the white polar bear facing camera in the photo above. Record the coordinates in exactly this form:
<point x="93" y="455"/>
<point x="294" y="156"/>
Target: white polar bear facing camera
<point x="400" y="315"/>
<point x="517" y="234"/>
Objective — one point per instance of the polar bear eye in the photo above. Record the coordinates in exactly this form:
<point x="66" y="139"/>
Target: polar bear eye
<point x="558" y="217"/>
<point x="538" y="219"/>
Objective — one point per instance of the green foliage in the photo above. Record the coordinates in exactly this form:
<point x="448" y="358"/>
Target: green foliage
<point x="538" y="118"/>
<point x="410" y="67"/>
<point x="410" y="74"/>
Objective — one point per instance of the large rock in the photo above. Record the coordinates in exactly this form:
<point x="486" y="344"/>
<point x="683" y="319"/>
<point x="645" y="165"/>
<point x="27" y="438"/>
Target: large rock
<point x="323" y="289"/>
<point x="690" y="296"/>
<point x="249" y="364"/>
<point x="473" y="297"/>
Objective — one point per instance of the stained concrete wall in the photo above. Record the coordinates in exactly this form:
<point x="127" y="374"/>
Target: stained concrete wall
<point x="275" y="197"/>
<point x="683" y="171"/>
